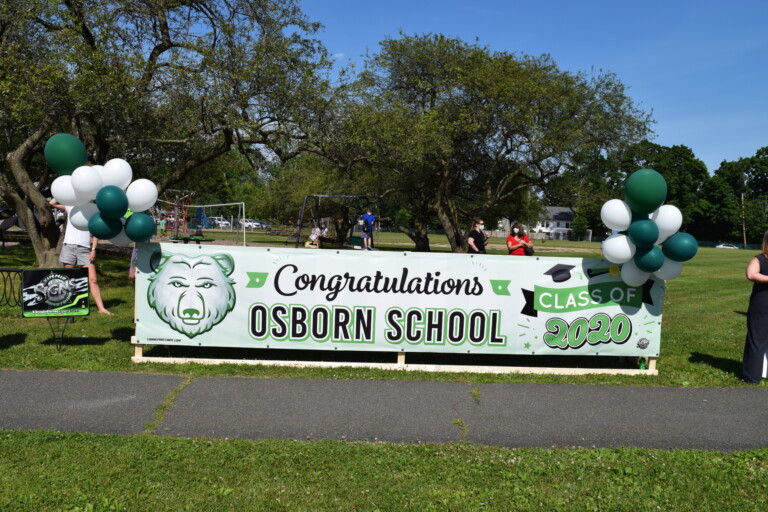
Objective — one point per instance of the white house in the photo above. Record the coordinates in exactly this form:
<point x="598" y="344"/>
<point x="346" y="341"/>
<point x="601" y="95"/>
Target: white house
<point x="555" y="221"/>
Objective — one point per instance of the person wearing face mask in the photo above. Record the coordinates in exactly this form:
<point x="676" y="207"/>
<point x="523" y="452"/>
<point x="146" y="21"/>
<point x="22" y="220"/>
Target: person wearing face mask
<point x="477" y="240"/>
<point x="517" y="240"/>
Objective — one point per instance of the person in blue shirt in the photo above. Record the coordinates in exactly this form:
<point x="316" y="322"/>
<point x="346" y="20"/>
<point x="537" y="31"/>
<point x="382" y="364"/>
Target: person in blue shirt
<point x="367" y="229"/>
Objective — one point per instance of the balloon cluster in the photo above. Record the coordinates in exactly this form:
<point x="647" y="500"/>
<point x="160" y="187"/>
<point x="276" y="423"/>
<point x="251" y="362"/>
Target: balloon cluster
<point x="100" y="196"/>
<point x="643" y="222"/>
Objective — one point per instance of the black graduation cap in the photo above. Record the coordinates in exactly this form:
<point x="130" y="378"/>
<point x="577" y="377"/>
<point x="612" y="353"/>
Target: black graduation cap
<point x="559" y="272"/>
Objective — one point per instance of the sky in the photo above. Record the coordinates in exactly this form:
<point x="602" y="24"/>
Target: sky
<point x="699" y="67"/>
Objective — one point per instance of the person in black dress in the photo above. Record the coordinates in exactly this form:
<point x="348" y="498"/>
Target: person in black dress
<point x="756" y="343"/>
<point x="477" y="240"/>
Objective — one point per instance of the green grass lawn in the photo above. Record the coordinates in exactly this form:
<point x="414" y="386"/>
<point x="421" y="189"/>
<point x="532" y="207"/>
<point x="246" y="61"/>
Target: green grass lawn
<point x="702" y="339"/>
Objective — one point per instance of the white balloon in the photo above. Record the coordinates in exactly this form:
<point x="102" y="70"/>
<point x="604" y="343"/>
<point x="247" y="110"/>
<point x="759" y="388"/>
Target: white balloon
<point x="81" y="214"/>
<point x="669" y="219"/>
<point x="100" y="170"/>
<point x="669" y="270"/>
<point x="616" y="215"/>
<point x="86" y="181"/>
<point x="632" y="275"/>
<point x="618" y="249"/>
<point x="62" y="191"/>
<point x="142" y="195"/>
<point x="117" y="172"/>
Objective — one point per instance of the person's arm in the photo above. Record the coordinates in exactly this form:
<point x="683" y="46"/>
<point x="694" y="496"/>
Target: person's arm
<point x="753" y="272"/>
<point x="53" y="202"/>
<point x="94" y="244"/>
<point x="471" y="242"/>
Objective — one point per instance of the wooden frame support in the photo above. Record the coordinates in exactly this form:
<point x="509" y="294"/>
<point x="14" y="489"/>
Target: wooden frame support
<point x="138" y="357"/>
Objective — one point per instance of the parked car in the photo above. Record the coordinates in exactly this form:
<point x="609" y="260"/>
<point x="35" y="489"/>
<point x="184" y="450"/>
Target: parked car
<point x="248" y="223"/>
<point x="218" y="222"/>
<point x="726" y="246"/>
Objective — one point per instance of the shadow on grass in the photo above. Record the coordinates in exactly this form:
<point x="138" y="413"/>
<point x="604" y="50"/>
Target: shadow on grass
<point x="9" y="340"/>
<point x="244" y="354"/>
<point x="111" y="303"/>
<point x="721" y="363"/>
<point x="75" y="341"/>
<point x="742" y="313"/>
<point x="122" y="334"/>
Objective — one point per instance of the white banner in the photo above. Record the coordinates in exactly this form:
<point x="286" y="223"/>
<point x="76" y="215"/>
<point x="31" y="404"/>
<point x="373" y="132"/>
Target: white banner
<point x="254" y="297"/>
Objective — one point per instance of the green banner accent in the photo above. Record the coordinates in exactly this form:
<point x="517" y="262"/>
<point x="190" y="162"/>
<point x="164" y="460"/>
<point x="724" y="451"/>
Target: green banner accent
<point x="73" y="302"/>
<point x="563" y="300"/>
<point x="500" y="286"/>
<point x="57" y="313"/>
<point x="256" y="279"/>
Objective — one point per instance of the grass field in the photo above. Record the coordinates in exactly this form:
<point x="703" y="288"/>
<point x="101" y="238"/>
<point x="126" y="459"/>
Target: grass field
<point x="702" y="339"/>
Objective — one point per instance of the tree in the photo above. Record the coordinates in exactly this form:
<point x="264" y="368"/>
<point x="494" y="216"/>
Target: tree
<point x="455" y="130"/>
<point x="169" y="86"/>
<point x="586" y="184"/>
<point x="685" y="175"/>
<point x="735" y="202"/>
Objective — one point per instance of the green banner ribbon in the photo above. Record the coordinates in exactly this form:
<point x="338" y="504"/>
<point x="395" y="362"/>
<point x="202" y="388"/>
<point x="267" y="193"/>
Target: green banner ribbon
<point x="500" y="286"/>
<point x="256" y="279"/>
<point x="561" y="300"/>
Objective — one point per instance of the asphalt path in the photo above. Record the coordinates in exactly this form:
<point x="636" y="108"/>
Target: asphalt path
<point x="513" y="415"/>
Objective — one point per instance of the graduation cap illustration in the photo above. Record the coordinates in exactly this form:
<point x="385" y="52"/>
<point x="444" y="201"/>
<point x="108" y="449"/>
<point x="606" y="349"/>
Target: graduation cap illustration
<point x="560" y="272"/>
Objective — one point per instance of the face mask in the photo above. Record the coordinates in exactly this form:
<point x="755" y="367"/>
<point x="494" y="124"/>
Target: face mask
<point x="515" y="230"/>
<point x="482" y="227"/>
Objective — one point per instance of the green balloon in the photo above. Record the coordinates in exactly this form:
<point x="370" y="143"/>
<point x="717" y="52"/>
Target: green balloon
<point x="112" y="201"/>
<point x="140" y="227"/>
<point x="645" y="190"/>
<point x="643" y="233"/>
<point x="104" y="227"/>
<point x="680" y="247"/>
<point x="65" y="153"/>
<point x="649" y="260"/>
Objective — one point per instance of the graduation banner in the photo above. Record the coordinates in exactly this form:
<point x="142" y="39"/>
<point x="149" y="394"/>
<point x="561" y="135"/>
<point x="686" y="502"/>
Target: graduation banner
<point x="256" y="297"/>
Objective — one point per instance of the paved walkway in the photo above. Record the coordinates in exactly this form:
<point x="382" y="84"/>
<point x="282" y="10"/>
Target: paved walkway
<point x="515" y="415"/>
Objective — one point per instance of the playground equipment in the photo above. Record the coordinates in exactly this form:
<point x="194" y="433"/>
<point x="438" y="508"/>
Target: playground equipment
<point x="201" y="216"/>
<point x="174" y="206"/>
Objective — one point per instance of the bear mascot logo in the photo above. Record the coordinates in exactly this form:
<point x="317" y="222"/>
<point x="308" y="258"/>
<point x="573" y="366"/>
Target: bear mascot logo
<point x="192" y="294"/>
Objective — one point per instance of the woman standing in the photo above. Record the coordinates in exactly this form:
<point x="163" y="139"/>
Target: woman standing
<point x="757" y="317"/>
<point x="477" y="240"/>
<point x="79" y="249"/>
<point x="517" y="240"/>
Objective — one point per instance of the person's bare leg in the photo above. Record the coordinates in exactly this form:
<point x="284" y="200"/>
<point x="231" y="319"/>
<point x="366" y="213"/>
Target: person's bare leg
<point x="95" y="291"/>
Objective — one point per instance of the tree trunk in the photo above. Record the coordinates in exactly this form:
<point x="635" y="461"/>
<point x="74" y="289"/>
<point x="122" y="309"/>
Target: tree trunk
<point x="30" y="205"/>
<point x="36" y="216"/>
<point x="419" y="235"/>
<point x="448" y="215"/>
<point x="453" y="230"/>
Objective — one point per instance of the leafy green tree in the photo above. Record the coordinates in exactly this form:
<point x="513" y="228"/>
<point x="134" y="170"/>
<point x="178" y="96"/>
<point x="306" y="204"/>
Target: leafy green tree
<point x="596" y="177"/>
<point x="735" y="203"/>
<point x="685" y="175"/>
<point x="168" y="86"/>
<point x="586" y="184"/>
<point x="456" y="130"/>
